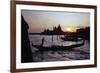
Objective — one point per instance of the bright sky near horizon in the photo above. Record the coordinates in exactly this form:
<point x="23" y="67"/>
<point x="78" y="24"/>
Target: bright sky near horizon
<point x="40" y="20"/>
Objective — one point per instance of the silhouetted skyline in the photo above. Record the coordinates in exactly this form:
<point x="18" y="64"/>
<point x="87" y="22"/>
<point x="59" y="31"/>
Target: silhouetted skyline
<point x="69" y="21"/>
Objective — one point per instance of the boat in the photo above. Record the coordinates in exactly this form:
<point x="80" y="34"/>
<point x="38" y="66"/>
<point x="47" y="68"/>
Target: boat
<point x="71" y="38"/>
<point x="56" y="47"/>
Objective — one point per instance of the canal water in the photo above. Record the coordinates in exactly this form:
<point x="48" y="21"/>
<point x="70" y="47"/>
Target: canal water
<point x="78" y="53"/>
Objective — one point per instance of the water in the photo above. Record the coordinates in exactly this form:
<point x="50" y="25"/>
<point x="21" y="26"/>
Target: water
<point x="78" y="53"/>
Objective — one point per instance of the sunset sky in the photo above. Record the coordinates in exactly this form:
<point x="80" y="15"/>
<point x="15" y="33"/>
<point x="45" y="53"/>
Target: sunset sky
<point x="69" y="21"/>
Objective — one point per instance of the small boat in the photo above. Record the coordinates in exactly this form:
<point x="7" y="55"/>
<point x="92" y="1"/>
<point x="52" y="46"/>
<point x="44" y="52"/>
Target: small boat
<point x="71" y="38"/>
<point x="56" y="47"/>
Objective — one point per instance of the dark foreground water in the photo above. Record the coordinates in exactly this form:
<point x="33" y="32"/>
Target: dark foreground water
<point x="78" y="53"/>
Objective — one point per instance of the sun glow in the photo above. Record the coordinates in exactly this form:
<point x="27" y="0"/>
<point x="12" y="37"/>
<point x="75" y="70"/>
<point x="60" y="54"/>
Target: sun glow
<point x="69" y="29"/>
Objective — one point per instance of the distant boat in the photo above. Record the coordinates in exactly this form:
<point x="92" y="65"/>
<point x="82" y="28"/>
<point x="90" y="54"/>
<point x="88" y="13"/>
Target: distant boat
<point x="71" y="38"/>
<point x="56" y="47"/>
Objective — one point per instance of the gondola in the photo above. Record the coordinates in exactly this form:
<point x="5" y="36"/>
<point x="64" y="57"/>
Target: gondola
<point x="74" y="39"/>
<point x="56" y="47"/>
